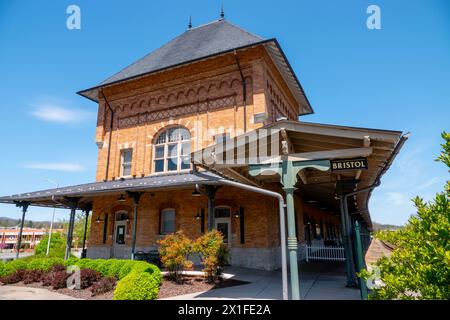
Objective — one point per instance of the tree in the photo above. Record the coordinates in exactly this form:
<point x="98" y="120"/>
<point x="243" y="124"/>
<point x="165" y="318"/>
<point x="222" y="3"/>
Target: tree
<point x="174" y="251"/>
<point x="57" y="246"/>
<point x="419" y="267"/>
<point x="78" y="229"/>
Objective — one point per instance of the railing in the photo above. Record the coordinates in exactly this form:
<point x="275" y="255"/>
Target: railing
<point x="323" y="253"/>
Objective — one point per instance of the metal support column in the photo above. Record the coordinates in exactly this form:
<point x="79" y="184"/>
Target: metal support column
<point x="83" y="252"/>
<point x="348" y="247"/>
<point x="135" y="196"/>
<point x="360" y="261"/>
<point x="289" y="178"/>
<point x="211" y="193"/>
<point x="24" y="206"/>
<point x="73" y="205"/>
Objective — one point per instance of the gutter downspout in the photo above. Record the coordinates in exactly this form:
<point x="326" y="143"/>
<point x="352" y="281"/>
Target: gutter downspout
<point x="244" y="90"/>
<point x="344" y="203"/>
<point x="281" y="206"/>
<point x="110" y="135"/>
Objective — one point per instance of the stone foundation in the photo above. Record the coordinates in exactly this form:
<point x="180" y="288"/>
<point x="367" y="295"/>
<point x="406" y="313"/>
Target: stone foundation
<point x="256" y="258"/>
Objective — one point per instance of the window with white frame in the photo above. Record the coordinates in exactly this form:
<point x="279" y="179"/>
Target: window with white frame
<point x="221" y="138"/>
<point x="172" y="150"/>
<point x="167" y="221"/>
<point x="126" y="159"/>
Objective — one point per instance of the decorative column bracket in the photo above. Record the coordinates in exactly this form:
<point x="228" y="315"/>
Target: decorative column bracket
<point x="287" y="170"/>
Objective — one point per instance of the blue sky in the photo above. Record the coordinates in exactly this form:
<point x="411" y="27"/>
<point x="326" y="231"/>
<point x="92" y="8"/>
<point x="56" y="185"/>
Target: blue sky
<point x="394" y="78"/>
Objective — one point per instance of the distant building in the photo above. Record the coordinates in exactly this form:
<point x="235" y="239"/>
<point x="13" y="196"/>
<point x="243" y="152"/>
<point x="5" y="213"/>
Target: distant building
<point x="30" y="237"/>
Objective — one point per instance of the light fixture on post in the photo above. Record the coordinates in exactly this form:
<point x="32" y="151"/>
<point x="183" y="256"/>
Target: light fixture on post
<point x="196" y="193"/>
<point x="237" y="214"/>
<point x="98" y="220"/>
<point x="121" y="198"/>
<point x="201" y="217"/>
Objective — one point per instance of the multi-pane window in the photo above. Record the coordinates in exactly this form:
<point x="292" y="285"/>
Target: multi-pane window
<point x="221" y="138"/>
<point x="167" y="221"/>
<point x="126" y="159"/>
<point x="172" y="150"/>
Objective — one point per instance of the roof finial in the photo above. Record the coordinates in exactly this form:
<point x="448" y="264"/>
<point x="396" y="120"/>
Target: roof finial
<point x="222" y="13"/>
<point x="190" y="22"/>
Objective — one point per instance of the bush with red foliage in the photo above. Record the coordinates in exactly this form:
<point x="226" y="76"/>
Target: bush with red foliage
<point x="59" y="279"/>
<point x="31" y="276"/>
<point x="88" y="277"/>
<point x="58" y="268"/>
<point x="103" y="285"/>
<point x="47" y="279"/>
<point x="17" y="276"/>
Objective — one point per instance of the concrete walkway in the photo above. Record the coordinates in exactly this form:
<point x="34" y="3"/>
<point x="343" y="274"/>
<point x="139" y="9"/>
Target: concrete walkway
<point x="27" y="293"/>
<point x="318" y="281"/>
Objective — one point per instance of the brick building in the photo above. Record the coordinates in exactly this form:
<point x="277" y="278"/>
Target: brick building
<point x="211" y="92"/>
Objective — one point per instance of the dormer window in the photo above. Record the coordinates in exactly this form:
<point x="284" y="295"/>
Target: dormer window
<point x="172" y="150"/>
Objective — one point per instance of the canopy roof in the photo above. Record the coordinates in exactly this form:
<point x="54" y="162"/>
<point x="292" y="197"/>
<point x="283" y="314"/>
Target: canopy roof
<point x="305" y="142"/>
<point x="57" y="197"/>
<point x="203" y="42"/>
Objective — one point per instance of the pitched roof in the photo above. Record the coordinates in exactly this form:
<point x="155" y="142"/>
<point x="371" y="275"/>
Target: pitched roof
<point x="202" y="42"/>
<point x="195" y="43"/>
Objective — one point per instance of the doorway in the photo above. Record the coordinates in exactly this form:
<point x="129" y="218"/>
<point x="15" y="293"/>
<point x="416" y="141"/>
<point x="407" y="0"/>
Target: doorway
<point x="119" y="239"/>
<point x="222" y="223"/>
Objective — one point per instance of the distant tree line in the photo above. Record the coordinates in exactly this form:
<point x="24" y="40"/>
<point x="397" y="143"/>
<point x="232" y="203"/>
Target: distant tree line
<point x="9" y="222"/>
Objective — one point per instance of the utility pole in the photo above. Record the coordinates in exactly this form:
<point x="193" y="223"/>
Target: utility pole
<point x="51" y="223"/>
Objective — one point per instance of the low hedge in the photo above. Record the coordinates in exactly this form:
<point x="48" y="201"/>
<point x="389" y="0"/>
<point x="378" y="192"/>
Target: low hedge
<point x="137" y="280"/>
<point x="137" y="286"/>
<point x="44" y="264"/>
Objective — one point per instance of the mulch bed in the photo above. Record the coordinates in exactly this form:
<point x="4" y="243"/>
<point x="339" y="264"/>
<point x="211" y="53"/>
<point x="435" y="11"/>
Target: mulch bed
<point x="85" y="294"/>
<point x="170" y="288"/>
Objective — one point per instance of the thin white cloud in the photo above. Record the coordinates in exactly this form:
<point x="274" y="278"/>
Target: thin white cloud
<point x="57" y="113"/>
<point x="426" y="184"/>
<point x="68" y="167"/>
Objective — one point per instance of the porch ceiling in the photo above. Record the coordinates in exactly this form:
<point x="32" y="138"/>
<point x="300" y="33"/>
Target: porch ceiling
<point x="311" y="141"/>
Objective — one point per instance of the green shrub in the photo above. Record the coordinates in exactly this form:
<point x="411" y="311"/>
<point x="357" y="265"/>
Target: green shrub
<point x="44" y="264"/>
<point x="72" y="261"/>
<point x="93" y="264"/>
<point x="103" y="266"/>
<point x="125" y="269"/>
<point x="213" y="253"/>
<point x="137" y="286"/>
<point x="57" y="246"/>
<point x="2" y="269"/>
<point x="114" y="268"/>
<point x="13" y="266"/>
<point x="174" y="251"/>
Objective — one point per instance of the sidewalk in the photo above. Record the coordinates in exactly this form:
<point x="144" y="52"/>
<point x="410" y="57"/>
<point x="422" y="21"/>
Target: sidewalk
<point x="27" y="293"/>
<point x="318" y="281"/>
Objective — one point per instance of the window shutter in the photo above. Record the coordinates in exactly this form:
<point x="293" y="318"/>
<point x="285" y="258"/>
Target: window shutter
<point x="241" y="222"/>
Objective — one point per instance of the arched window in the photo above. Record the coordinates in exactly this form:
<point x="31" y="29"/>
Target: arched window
<point x="172" y="150"/>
